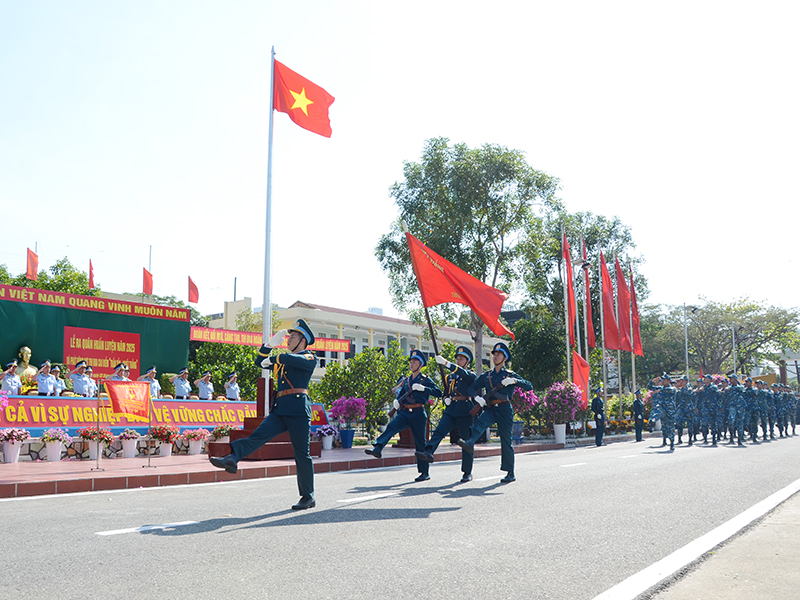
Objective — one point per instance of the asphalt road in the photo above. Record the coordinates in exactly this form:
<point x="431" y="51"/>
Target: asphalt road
<point x="576" y="522"/>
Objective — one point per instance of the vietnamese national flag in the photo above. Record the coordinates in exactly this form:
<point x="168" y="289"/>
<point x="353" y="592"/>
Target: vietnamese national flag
<point x="580" y="377"/>
<point x="194" y="293"/>
<point x="305" y="102"/>
<point x="567" y="255"/>
<point x="624" y="299"/>
<point x="589" y="321"/>
<point x="32" y="270"/>
<point x="147" y="284"/>
<point x="91" y="275"/>
<point x="610" y="331"/>
<point x="637" y="336"/>
<point x="130" y="398"/>
<point x="441" y="281"/>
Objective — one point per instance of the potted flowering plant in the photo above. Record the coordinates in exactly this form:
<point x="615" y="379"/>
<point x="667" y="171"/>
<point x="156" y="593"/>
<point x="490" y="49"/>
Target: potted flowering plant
<point x="130" y="442"/>
<point x="524" y="405"/>
<point x="165" y="435"/>
<point x="221" y="433"/>
<point x="195" y="437"/>
<point x="326" y="433"/>
<point x="561" y="401"/>
<point x="96" y="438"/>
<point x="12" y="439"/>
<point x="347" y="410"/>
<point x="55" y="438"/>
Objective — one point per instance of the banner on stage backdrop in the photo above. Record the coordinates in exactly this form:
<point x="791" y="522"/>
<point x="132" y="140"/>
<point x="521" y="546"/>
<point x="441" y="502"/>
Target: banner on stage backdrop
<point x="250" y="338"/>
<point x="129" y="398"/>
<point x="103" y="350"/>
<point x="33" y="412"/>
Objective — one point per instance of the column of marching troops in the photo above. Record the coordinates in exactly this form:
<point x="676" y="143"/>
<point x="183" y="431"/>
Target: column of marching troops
<point x="729" y="410"/>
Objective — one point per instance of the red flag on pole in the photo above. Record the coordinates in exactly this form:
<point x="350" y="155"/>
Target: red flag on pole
<point x="610" y="331"/>
<point x="147" y="284"/>
<point x="624" y="299"/>
<point x="637" y="336"/>
<point x="567" y="255"/>
<point x="305" y="102"/>
<point x="91" y="275"/>
<point x="129" y="398"/>
<point x="441" y="281"/>
<point x="194" y="293"/>
<point x="588" y="316"/>
<point x="32" y="270"/>
<point x="580" y="377"/>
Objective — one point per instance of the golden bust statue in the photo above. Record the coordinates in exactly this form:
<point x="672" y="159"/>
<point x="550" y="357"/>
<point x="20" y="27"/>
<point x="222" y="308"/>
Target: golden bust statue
<point x="24" y="367"/>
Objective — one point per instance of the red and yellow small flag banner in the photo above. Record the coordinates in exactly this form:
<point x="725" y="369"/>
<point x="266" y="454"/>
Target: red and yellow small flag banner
<point x="129" y="398"/>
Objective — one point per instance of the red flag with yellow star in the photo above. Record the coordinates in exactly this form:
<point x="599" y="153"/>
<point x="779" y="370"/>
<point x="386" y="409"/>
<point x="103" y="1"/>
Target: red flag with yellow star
<point x="305" y="102"/>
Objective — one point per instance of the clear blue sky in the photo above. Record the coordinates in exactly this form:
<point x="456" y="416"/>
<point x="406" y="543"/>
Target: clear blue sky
<point x="128" y="124"/>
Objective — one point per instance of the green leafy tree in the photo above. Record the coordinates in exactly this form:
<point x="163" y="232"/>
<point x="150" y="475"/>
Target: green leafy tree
<point x="539" y="350"/>
<point x="247" y="320"/>
<point x="469" y="205"/>
<point x="222" y="359"/>
<point x="60" y="277"/>
<point x="370" y="374"/>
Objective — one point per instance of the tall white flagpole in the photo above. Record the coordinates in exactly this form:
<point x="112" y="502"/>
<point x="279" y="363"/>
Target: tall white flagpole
<point x="266" y="308"/>
<point x="566" y="307"/>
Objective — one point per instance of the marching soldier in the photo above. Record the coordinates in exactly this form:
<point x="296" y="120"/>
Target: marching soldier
<point x="737" y="409"/>
<point x="292" y="410"/>
<point x="751" y="398"/>
<point x="498" y="386"/>
<point x="708" y="396"/>
<point x="457" y="414"/>
<point x="685" y="406"/>
<point x="664" y="405"/>
<point x="413" y="395"/>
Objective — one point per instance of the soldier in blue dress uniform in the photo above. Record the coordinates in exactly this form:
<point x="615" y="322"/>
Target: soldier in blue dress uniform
<point x="412" y="397"/>
<point x="498" y="386"/>
<point x="457" y="412"/>
<point x="291" y="412"/>
<point x="638" y="415"/>
<point x="12" y="384"/>
<point x="181" y="382"/>
<point x="599" y="410"/>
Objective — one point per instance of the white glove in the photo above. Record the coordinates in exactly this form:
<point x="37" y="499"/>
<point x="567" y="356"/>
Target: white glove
<point x="277" y="339"/>
<point x="480" y="400"/>
<point x="441" y="360"/>
<point x="266" y="362"/>
<point x="396" y="405"/>
<point x="447" y="401"/>
<point x="418" y="387"/>
<point x="508" y="381"/>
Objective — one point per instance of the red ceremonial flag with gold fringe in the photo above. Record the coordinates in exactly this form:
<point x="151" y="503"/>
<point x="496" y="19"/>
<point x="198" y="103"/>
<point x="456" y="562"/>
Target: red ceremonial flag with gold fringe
<point x="637" y="336"/>
<point x="580" y="377"/>
<point x="624" y="299"/>
<point x="32" y="267"/>
<point x="131" y="398"/>
<point x="567" y="256"/>
<point x="610" y="330"/>
<point x="441" y="281"/>
<point x="91" y="275"/>
<point x="194" y="293"/>
<point x="304" y="101"/>
<point x="147" y="283"/>
<point x="588" y="316"/>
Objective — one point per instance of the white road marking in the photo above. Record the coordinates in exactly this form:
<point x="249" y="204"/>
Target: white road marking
<point x="486" y="478"/>
<point x="573" y="465"/>
<point x="642" y="581"/>
<point x="365" y="498"/>
<point x="629" y="456"/>
<point x="145" y="528"/>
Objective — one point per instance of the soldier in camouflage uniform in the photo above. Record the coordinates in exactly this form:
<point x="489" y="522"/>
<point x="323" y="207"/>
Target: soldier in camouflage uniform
<point x="737" y="409"/>
<point x="751" y="418"/>
<point x="763" y="410"/>
<point x="780" y="408"/>
<point x="723" y="401"/>
<point x="770" y="410"/>
<point x="792" y="411"/>
<point x="707" y="397"/>
<point x="685" y="404"/>
<point x="666" y="409"/>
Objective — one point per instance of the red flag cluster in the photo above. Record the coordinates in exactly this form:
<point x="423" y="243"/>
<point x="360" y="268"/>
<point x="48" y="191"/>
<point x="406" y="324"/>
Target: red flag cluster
<point x="620" y="334"/>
